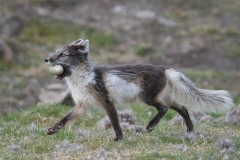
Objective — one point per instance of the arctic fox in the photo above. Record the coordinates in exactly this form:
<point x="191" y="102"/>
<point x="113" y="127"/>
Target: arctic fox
<point x="109" y="85"/>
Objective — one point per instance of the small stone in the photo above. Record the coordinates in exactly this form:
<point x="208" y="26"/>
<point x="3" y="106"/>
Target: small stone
<point x="226" y="145"/>
<point x="56" y="98"/>
<point x="32" y="127"/>
<point x="177" y="146"/>
<point x="233" y="117"/>
<point x="47" y="95"/>
<point x="192" y="136"/>
<point x="55" y="86"/>
<point x="12" y="26"/>
<point x="196" y="115"/>
<point x="177" y="120"/>
<point x="6" y="52"/>
<point x="1" y="129"/>
<point x="145" y="15"/>
<point x="104" y="123"/>
<point x="206" y="118"/>
<point x="102" y="154"/>
<point x="166" y="22"/>
<point x="127" y="116"/>
<point x="81" y="134"/>
<point x="167" y="40"/>
<point x="14" y="147"/>
<point x="187" y="47"/>
<point x="68" y="148"/>
<point x="119" y="9"/>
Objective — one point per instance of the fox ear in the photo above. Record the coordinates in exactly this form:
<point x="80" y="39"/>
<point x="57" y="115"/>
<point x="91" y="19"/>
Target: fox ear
<point x="86" y="44"/>
<point x="83" y="46"/>
<point x="77" y="41"/>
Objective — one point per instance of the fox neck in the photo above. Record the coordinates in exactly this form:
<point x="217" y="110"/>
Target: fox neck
<point x="81" y="71"/>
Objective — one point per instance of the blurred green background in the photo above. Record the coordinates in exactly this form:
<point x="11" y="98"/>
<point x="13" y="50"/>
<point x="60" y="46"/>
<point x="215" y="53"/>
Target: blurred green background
<point x="199" y="38"/>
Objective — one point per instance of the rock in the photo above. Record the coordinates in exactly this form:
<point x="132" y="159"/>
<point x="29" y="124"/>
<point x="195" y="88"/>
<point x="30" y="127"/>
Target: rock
<point x="12" y="26"/>
<point x="192" y="136"/>
<point x="56" y="98"/>
<point x="225" y="145"/>
<point x="135" y="128"/>
<point x="42" y="11"/>
<point x="104" y="123"/>
<point x="198" y="43"/>
<point x="220" y="120"/>
<point x="31" y="92"/>
<point x="14" y="148"/>
<point x="81" y="134"/>
<point x="233" y="117"/>
<point x="145" y="15"/>
<point x="127" y="116"/>
<point x="68" y="148"/>
<point x="32" y="127"/>
<point x="47" y="95"/>
<point x="55" y="86"/>
<point x="119" y="9"/>
<point x="102" y="154"/>
<point x="166" y="22"/>
<point x="196" y="115"/>
<point x="5" y="52"/>
<point x="187" y="47"/>
<point x="127" y="122"/>
<point x="167" y="40"/>
<point x="206" y="118"/>
<point x="181" y="147"/>
<point x="177" y="120"/>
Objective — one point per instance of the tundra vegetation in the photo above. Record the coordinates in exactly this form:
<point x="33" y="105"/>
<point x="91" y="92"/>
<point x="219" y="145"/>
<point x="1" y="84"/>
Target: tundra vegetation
<point x="201" y="39"/>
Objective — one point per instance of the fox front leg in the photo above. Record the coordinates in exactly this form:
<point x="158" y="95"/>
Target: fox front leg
<point x="77" y="111"/>
<point x="60" y="124"/>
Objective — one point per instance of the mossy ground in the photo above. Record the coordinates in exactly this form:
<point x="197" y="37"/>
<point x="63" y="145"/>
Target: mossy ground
<point x="35" y="144"/>
<point x="42" y="36"/>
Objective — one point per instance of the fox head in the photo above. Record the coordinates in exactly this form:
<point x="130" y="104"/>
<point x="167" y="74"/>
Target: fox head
<point x="69" y="56"/>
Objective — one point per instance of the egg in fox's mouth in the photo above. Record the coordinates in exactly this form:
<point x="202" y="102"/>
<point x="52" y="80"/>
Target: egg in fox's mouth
<point x="56" y="70"/>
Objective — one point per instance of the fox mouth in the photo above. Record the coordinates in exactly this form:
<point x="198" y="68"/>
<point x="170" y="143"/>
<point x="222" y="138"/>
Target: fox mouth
<point x="66" y="71"/>
<point x="58" y="76"/>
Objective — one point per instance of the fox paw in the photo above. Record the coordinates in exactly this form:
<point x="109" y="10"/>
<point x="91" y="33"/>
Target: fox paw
<point x="118" y="138"/>
<point x="52" y="130"/>
<point x="149" y="129"/>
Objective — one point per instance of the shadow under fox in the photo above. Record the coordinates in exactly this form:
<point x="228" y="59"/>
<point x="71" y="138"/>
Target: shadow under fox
<point x="110" y="85"/>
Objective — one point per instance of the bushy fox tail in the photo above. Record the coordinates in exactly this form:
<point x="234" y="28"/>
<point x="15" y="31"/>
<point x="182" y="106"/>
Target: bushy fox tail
<point x="184" y="92"/>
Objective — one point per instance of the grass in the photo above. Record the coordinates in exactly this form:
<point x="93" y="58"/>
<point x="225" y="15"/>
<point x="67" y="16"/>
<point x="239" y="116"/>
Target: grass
<point x="35" y="144"/>
<point x="143" y="50"/>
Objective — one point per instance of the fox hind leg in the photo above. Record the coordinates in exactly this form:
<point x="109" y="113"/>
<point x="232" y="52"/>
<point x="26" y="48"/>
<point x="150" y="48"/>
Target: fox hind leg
<point x="184" y="113"/>
<point x="162" y="110"/>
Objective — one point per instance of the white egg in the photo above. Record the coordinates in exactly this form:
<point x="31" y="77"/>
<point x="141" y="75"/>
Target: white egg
<point x="56" y="70"/>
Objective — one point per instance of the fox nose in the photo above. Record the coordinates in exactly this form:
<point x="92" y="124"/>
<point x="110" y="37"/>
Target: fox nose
<point x="46" y="60"/>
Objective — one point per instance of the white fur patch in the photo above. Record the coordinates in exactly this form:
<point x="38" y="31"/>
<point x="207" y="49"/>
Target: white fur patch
<point x="78" y="83"/>
<point x="121" y="90"/>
